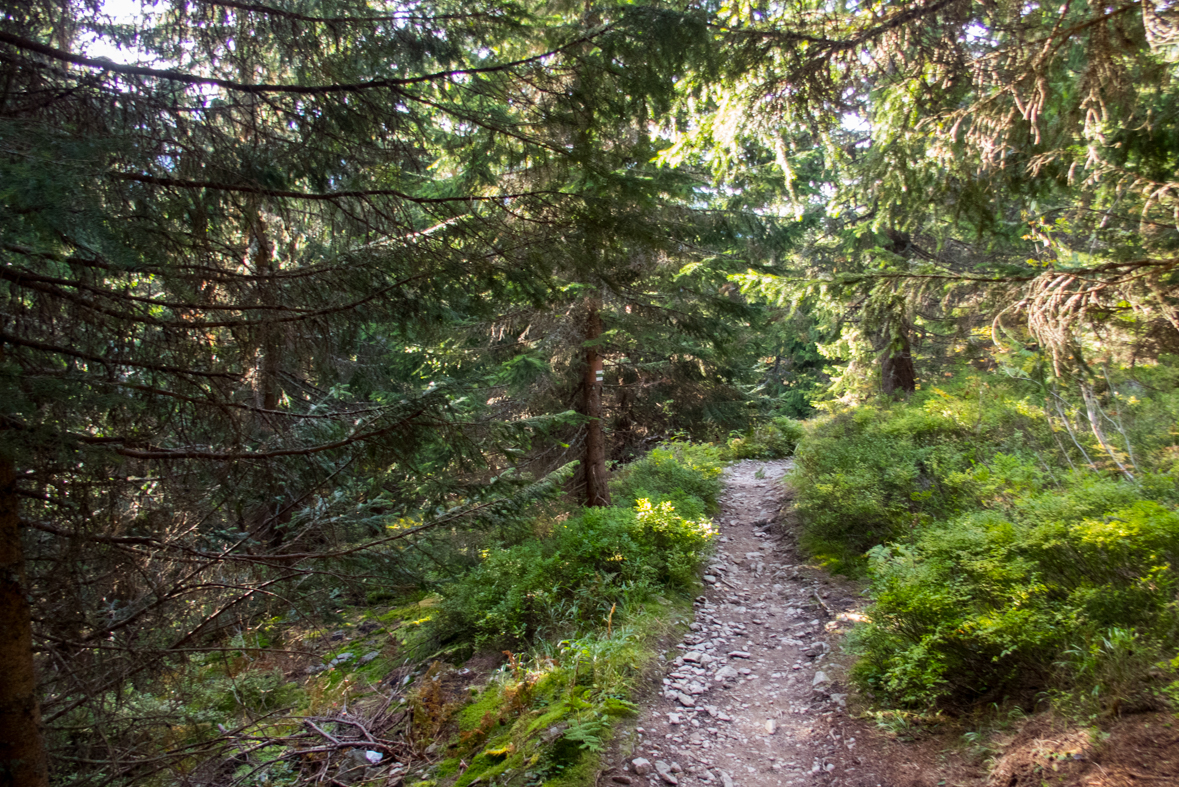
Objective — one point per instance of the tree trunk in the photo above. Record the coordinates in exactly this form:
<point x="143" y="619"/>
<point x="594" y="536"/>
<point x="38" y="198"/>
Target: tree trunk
<point x="22" y="751"/>
<point x="896" y="369"/>
<point x="269" y="349"/>
<point x="272" y="516"/>
<point x="596" y="491"/>
<point x="897" y="373"/>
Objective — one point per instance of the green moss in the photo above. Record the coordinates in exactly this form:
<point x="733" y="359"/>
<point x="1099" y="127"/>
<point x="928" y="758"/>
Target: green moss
<point x="580" y="772"/>
<point x="555" y="738"/>
<point x="413" y="613"/>
<point x="546" y="720"/>
<point x="448" y="767"/>
<point x="487" y="765"/>
<point x="488" y="702"/>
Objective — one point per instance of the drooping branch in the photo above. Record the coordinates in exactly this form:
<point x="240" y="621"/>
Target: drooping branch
<point x="248" y="188"/>
<point x="390" y="83"/>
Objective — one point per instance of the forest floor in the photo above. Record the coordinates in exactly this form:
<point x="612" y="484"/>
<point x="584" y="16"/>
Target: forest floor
<point x="758" y="697"/>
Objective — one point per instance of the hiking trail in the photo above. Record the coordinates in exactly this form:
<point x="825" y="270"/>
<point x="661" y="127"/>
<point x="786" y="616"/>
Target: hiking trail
<point x="751" y="700"/>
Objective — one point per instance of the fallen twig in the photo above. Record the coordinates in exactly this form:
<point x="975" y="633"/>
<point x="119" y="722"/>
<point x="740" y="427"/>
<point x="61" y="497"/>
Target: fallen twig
<point x="322" y="731"/>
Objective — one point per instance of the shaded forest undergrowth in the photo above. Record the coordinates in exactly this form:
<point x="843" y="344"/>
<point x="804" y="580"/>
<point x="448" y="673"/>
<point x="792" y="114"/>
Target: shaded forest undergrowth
<point x="511" y="670"/>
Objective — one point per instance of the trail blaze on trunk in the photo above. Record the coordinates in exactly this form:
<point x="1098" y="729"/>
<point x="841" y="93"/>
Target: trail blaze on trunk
<point x="596" y="491"/>
<point x="22" y="751"/>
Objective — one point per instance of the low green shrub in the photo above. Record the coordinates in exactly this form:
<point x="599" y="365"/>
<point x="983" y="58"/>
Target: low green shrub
<point x="987" y="604"/>
<point x="250" y="692"/>
<point x="655" y="538"/>
<point x="773" y="439"/>
<point x="687" y="474"/>
<point x="877" y="473"/>
<point x="589" y="564"/>
<point x="1002" y="562"/>
<point x="859" y="483"/>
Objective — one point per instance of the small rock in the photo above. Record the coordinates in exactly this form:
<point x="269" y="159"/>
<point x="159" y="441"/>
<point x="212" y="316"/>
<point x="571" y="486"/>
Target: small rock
<point x="820" y="678"/>
<point x="642" y="766"/>
<point x="338" y="635"/>
<point x="726" y="780"/>
<point x="664" y="771"/>
<point x="830" y="767"/>
<point x="710" y="579"/>
<point x="740" y="654"/>
<point x="840" y="700"/>
<point x="725" y="673"/>
<point x="370" y="656"/>
<point x="771" y="727"/>
<point x="693" y="657"/>
<point x="815" y="650"/>
<point x="675" y="718"/>
<point x="676" y="767"/>
<point x="685" y="699"/>
<point x="622" y="780"/>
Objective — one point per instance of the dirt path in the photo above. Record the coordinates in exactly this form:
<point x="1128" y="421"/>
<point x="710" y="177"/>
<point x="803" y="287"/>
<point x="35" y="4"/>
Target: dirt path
<point x="748" y="702"/>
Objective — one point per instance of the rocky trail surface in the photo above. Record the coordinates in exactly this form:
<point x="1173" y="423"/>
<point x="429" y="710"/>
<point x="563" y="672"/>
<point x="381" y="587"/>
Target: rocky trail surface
<point x="752" y="699"/>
